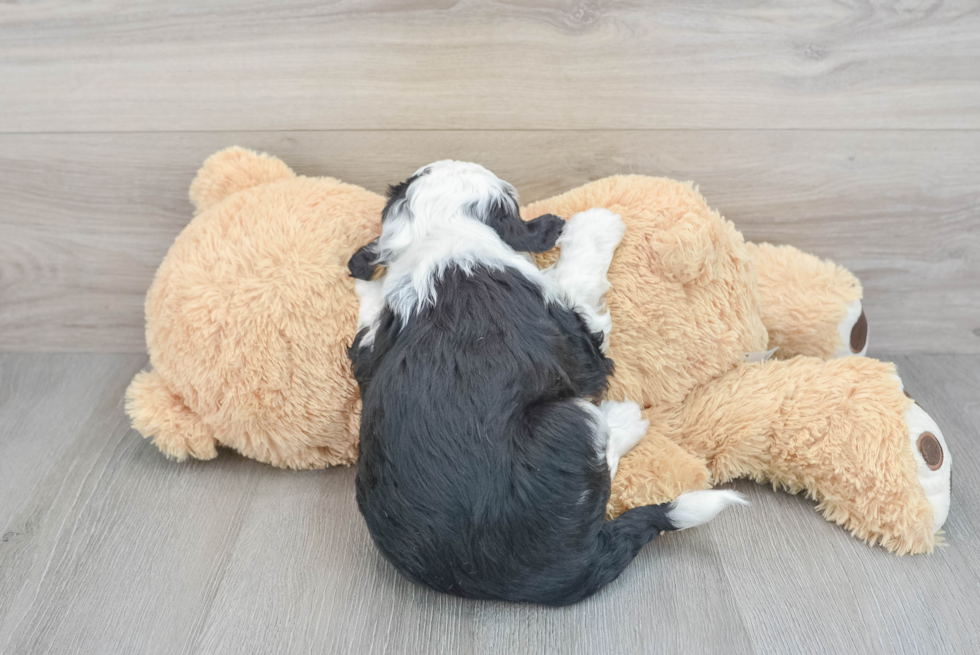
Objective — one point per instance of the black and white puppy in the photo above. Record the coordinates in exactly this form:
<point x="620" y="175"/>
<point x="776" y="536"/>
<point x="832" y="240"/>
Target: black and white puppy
<point x="485" y="465"/>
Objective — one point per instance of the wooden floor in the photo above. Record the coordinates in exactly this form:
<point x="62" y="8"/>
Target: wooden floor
<point x="110" y="548"/>
<point x="850" y="129"/>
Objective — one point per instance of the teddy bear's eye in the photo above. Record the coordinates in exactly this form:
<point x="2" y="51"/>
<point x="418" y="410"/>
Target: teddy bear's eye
<point x="931" y="450"/>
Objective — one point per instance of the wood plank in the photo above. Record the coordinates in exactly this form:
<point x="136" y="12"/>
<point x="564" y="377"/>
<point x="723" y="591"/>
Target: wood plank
<point x="111" y="548"/>
<point x="42" y="407"/>
<point x="110" y="66"/>
<point x="361" y="605"/>
<point x="118" y="550"/>
<point x="87" y="218"/>
<point x="45" y="403"/>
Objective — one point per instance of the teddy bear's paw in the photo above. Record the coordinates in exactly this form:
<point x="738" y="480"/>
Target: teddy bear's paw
<point x="933" y="462"/>
<point x="853" y="330"/>
<point x="626" y="427"/>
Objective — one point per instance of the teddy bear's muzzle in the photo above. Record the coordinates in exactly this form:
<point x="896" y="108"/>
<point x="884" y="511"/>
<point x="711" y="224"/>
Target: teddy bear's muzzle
<point x="933" y="462"/>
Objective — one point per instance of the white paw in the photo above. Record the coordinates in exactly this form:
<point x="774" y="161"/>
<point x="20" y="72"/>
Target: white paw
<point x="596" y="230"/>
<point x="853" y="330"/>
<point x="626" y="427"/>
<point x="933" y="461"/>
<point x="587" y="246"/>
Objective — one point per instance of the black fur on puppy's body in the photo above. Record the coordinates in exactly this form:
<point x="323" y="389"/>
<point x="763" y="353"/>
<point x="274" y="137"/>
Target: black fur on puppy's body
<point x="478" y="472"/>
<point x="484" y="467"/>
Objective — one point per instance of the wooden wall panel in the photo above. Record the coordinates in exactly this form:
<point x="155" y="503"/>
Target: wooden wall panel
<point x="106" y="65"/>
<point x="87" y="218"/>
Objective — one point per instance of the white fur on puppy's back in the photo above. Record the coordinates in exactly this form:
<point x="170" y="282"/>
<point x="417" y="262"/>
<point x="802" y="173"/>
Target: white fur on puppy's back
<point x="440" y="224"/>
<point x="698" y="507"/>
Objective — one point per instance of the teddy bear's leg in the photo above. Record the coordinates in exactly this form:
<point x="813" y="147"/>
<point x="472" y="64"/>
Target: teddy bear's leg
<point x="809" y="306"/>
<point x="842" y="431"/>
<point x="159" y="413"/>
<point x="587" y="243"/>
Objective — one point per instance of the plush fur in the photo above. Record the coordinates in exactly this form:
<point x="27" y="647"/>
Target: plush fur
<point x="251" y="313"/>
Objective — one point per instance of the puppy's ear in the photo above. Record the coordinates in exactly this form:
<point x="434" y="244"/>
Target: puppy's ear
<point x="364" y="263"/>
<point x="537" y="235"/>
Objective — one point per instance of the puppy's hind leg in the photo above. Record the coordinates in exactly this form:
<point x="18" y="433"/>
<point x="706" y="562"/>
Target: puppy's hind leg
<point x="626" y="427"/>
<point x="617" y="427"/>
<point x="361" y="352"/>
<point x="587" y="243"/>
<point x="370" y="293"/>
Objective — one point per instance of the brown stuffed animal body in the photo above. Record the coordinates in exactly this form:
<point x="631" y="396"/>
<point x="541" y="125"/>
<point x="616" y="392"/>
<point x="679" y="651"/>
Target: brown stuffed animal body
<point x="251" y="312"/>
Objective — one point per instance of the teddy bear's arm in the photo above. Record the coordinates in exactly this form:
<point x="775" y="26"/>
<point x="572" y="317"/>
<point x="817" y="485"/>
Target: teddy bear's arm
<point x="158" y="412"/>
<point x="842" y="431"/>
<point x="810" y="306"/>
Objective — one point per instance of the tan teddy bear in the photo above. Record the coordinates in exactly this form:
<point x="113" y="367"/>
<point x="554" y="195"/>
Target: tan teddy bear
<point x="689" y="298"/>
<point x="251" y="312"/>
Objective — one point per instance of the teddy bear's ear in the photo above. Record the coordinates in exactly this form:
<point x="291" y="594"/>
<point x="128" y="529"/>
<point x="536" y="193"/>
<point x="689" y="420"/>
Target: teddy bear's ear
<point x="231" y="170"/>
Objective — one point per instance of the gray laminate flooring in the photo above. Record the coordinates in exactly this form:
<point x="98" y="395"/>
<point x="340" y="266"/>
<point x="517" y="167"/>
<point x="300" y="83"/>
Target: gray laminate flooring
<point x="107" y="547"/>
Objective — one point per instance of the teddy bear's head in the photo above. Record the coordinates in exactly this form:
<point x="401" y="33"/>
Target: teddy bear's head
<point x="250" y="315"/>
<point x="683" y="281"/>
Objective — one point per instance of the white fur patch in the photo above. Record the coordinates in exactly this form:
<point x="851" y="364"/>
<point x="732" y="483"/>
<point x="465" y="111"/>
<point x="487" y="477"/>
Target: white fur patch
<point x="588" y="242"/>
<point x="600" y="431"/>
<point x="437" y="226"/>
<point x="626" y="427"/>
<point x="844" y="329"/>
<point x="411" y="278"/>
<point x="935" y="484"/>
<point x="371" y="296"/>
<point x="698" y="507"/>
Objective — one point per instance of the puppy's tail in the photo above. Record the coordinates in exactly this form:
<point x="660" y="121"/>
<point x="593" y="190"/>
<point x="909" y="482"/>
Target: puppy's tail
<point x="698" y="507"/>
<point x="622" y="538"/>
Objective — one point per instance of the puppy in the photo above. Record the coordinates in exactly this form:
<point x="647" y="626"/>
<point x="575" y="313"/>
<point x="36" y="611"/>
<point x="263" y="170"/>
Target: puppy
<point x="485" y="465"/>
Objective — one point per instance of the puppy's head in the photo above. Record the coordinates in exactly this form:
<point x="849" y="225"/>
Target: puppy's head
<point x="444" y="199"/>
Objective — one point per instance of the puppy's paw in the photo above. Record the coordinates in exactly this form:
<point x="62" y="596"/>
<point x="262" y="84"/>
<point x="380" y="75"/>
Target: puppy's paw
<point x="598" y="227"/>
<point x="626" y="426"/>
